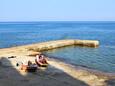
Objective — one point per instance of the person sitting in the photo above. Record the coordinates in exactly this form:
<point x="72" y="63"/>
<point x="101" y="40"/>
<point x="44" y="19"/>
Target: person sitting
<point x="40" y="60"/>
<point x="29" y="67"/>
<point x="29" y="63"/>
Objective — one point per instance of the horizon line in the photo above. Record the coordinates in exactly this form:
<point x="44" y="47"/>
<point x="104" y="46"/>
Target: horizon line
<point x="63" y="21"/>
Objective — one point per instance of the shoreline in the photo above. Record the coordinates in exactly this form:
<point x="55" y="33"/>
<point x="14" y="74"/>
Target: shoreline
<point x="91" y="70"/>
<point x="89" y="76"/>
<point x="81" y="66"/>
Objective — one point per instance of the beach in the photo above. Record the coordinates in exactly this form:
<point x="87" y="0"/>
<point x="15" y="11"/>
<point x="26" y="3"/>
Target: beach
<point x="57" y="43"/>
<point x="57" y="73"/>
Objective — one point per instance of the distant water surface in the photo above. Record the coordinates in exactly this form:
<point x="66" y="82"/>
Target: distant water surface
<point x="102" y="58"/>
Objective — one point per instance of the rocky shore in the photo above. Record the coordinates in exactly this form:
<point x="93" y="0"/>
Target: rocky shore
<point x="57" y="73"/>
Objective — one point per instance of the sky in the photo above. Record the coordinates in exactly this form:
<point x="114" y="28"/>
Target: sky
<point x="57" y="10"/>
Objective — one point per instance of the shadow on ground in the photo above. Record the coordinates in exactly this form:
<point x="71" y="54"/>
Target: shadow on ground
<point x="110" y="82"/>
<point x="10" y="76"/>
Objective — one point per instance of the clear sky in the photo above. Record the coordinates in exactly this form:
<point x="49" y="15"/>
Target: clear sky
<point x="57" y="10"/>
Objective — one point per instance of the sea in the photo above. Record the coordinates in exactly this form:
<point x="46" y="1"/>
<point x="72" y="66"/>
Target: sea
<point x="101" y="58"/>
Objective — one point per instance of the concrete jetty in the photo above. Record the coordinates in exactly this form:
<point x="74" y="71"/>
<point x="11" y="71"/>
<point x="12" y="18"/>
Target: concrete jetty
<point x="63" y="43"/>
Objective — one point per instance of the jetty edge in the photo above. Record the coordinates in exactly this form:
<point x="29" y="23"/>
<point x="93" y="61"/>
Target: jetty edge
<point x="44" y="46"/>
<point x="63" y="43"/>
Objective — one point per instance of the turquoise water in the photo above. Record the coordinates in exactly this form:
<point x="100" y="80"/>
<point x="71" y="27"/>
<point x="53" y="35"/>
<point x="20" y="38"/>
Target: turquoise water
<point x="102" y="58"/>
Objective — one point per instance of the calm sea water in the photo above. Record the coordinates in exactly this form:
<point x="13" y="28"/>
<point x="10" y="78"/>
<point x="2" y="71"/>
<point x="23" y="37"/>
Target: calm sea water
<point x="102" y="58"/>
